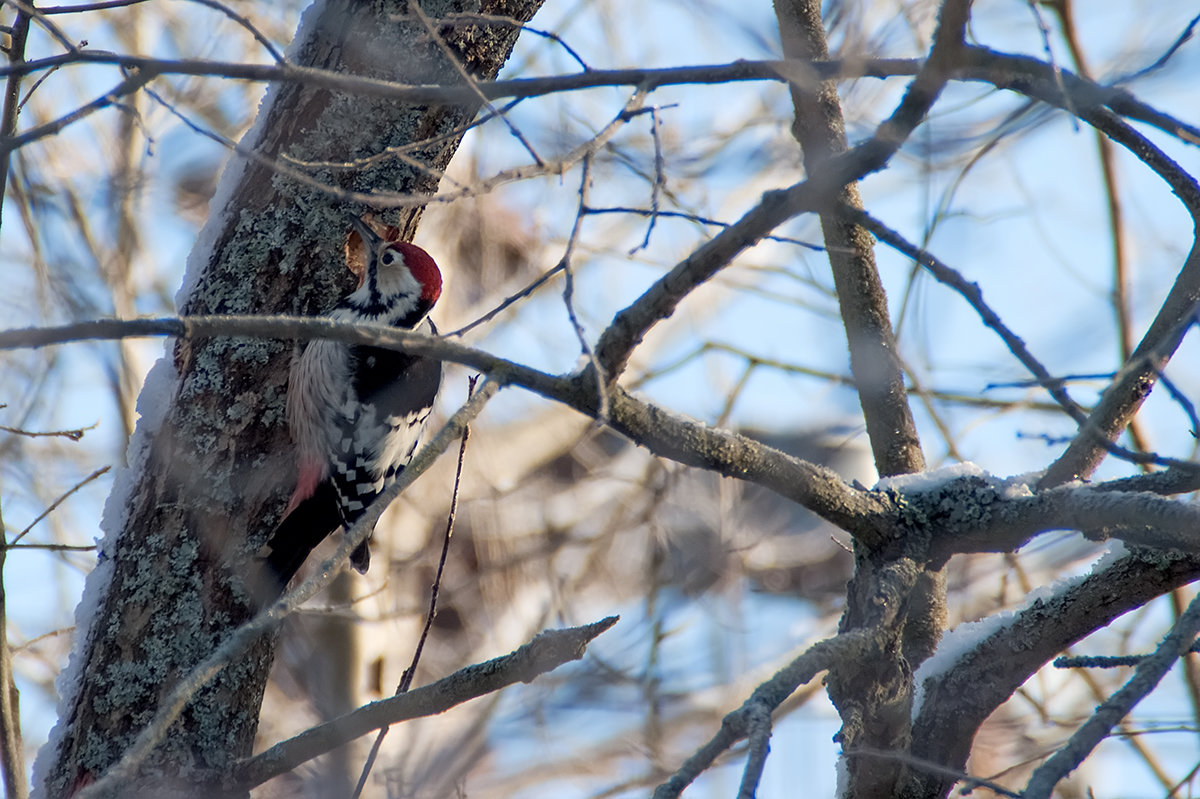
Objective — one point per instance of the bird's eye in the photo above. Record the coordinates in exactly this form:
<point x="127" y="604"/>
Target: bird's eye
<point x="388" y="258"/>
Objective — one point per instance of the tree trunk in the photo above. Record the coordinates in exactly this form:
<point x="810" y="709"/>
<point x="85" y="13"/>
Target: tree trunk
<point x="210" y="464"/>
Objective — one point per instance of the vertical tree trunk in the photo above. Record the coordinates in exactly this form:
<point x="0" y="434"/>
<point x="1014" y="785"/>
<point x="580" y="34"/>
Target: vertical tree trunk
<point x="209" y="464"/>
<point x="889" y="589"/>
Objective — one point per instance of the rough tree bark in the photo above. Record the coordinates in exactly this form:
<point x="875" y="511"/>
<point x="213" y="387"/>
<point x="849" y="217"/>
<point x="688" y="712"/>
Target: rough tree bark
<point x="207" y="481"/>
<point x="873" y="696"/>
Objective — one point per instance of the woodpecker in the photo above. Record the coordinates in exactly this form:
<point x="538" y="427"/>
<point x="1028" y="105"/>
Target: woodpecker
<point x="356" y="413"/>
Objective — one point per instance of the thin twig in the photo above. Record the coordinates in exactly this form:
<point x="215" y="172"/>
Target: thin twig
<point x="509" y="301"/>
<point x="660" y="178"/>
<point x="463" y="18"/>
<point x="132" y="83"/>
<point x="286" y="166"/>
<point x="407" y="678"/>
<point x="55" y="547"/>
<point x="399" y="151"/>
<point x="50" y="27"/>
<point x="258" y="35"/>
<point x="1044" y="31"/>
<point x="73" y="435"/>
<point x="703" y="220"/>
<point x="469" y="80"/>
<point x="957" y="398"/>
<point x="36" y="84"/>
<point x="631" y="324"/>
<point x="85" y="7"/>
<point x="968" y="781"/>
<point x="1108" y="170"/>
<point x="1162" y="60"/>
<point x="569" y="295"/>
<point x="971" y="292"/>
<point x="12" y="752"/>
<point x="1106" y="661"/>
<point x="59" y="501"/>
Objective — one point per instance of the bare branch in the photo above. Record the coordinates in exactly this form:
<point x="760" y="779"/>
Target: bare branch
<point x="50" y="508"/>
<point x="1096" y="105"/>
<point x="971" y="292"/>
<point x="51" y="28"/>
<point x="648" y="79"/>
<point x="131" y="84"/>
<point x="1167" y="482"/>
<point x="958" y="698"/>
<point x="820" y="130"/>
<point x="18" y="36"/>
<point x="758" y="732"/>
<point x="969" y="781"/>
<point x="630" y="325"/>
<point x="757" y="361"/>
<point x="666" y="434"/>
<point x="464" y="18"/>
<point x="1148" y="674"/>
<point x="470" y="82"/>
<point x="114" y="780"/>
<point x="104" y="5"/>
<point x="987" y="522"/>
<point x="652" y="213"/>
<point x="1108" y="169"/>
<point x="280" y="327"/>
<point x="546" y="652"/>
<point x="12" y="754"/>
<point x="765" y="699"/>
<point x="266" y="43"/>
<point x="291" y="167"/>
<point x="73" y="435"/>
<point x="569" y="293"/>
<point x="1134" y="382"/>
<point x="509" y="301"/>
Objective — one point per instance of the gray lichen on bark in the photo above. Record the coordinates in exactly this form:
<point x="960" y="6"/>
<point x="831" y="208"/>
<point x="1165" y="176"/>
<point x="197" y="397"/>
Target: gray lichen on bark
<point x="215" y="472"/>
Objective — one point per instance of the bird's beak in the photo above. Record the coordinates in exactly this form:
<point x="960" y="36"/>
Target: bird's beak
<point x="370" y="238"/>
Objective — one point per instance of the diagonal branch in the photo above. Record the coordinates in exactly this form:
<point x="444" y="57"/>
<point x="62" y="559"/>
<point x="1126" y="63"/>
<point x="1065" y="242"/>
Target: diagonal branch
<point x="115" y="780"/>
<point x="765" y="699"/>
<point x="948" y="276"/>
<point x="1148" y="674"/>
<point x="631" y="324"/>
<point x="549" y="650"/>
<point x="1121" y="401"/>
<point x="959" y="695"/>
<point x="131" y="84"/>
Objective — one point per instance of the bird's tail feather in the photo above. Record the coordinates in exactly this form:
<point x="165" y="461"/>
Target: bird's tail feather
<point x="295" y="537"/>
